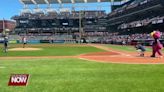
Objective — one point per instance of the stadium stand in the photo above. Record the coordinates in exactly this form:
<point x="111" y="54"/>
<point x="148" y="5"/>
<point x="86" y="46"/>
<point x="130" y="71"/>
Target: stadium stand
<point x="137" y="14"/>
<point x="65" y="23"/>
<point x="130" y="23"/>
<point x="137" y="18"/>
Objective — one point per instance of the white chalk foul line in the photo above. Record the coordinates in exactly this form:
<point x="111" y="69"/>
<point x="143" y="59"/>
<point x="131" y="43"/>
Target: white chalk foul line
<point x="107" y="49"/>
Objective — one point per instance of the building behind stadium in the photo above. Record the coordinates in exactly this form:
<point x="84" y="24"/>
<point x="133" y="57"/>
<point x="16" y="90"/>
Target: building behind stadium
<point x="7" y="24"/>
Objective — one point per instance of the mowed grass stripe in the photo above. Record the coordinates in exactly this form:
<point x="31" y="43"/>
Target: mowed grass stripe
<point x="126" y="48"/>
<point x="52" y="50"/>
<point x="74" y="75"/>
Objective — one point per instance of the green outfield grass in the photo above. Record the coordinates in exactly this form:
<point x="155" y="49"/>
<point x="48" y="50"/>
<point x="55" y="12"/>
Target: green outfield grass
<point x="126" y="48"/>
<point x="50" y="50"/>
<point x="74" y="75"/>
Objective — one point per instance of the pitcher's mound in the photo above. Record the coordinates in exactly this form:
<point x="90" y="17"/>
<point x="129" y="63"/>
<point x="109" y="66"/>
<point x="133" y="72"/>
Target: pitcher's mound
<point x="25" y="49"/>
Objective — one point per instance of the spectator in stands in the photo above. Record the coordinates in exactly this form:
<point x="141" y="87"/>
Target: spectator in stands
<point x="123" y="42"/>
<point x="51" y="40"/>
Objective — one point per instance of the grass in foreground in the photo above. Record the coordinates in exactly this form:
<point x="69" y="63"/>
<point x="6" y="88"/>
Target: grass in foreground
<point x="74" y="75"/>
<point x="50" y="50"/>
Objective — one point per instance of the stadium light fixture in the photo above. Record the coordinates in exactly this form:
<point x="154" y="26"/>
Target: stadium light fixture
<point x="59" y="1"/>
<point x="73" y="1"/>
<point x="47" y="2"/>
<point x="34" y="1"/>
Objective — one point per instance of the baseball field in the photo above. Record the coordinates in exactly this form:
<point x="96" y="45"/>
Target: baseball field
<point x="81" y="68"/>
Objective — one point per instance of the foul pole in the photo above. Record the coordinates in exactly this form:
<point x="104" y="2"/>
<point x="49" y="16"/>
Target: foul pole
<point x="4" y="32"/>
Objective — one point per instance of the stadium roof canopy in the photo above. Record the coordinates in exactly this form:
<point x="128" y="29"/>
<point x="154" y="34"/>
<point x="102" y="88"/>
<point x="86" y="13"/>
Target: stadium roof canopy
<point x="65" y="1"/>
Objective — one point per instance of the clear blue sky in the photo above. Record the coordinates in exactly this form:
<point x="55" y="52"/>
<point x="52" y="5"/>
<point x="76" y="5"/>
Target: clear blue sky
<point x="9" y="8"/>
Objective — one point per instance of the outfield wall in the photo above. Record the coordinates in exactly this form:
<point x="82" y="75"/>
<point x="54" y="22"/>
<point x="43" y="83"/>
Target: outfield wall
<point x="39" y="41"/>
<point x="133" y="42"/>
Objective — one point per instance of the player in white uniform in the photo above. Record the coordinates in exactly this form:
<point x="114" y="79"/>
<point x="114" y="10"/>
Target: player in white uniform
<point x="24" y="40"/>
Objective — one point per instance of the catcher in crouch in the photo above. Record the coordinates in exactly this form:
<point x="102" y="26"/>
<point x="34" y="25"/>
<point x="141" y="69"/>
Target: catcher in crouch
<point x="141" y="49"/>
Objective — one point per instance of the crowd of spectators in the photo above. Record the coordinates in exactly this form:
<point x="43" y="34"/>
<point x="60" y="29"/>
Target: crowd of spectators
<point x="61" y="15"/>
<point x="116" y="38"/>
<point x="126" y="38"/>
<point x="133" y="6"/>
<point x="99" y="37"/>
<point x="144" y="22"/>
<point x="108" y="35"/>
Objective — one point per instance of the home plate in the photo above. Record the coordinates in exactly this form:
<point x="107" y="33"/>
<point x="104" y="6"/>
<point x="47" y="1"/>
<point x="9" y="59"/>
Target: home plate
<point x="127" y="55"/>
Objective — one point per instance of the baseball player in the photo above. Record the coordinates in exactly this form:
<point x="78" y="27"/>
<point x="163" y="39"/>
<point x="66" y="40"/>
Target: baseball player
<point x="24" y="40"/>
<point x="5" y="44"/>
<point x="141" y="49"/>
